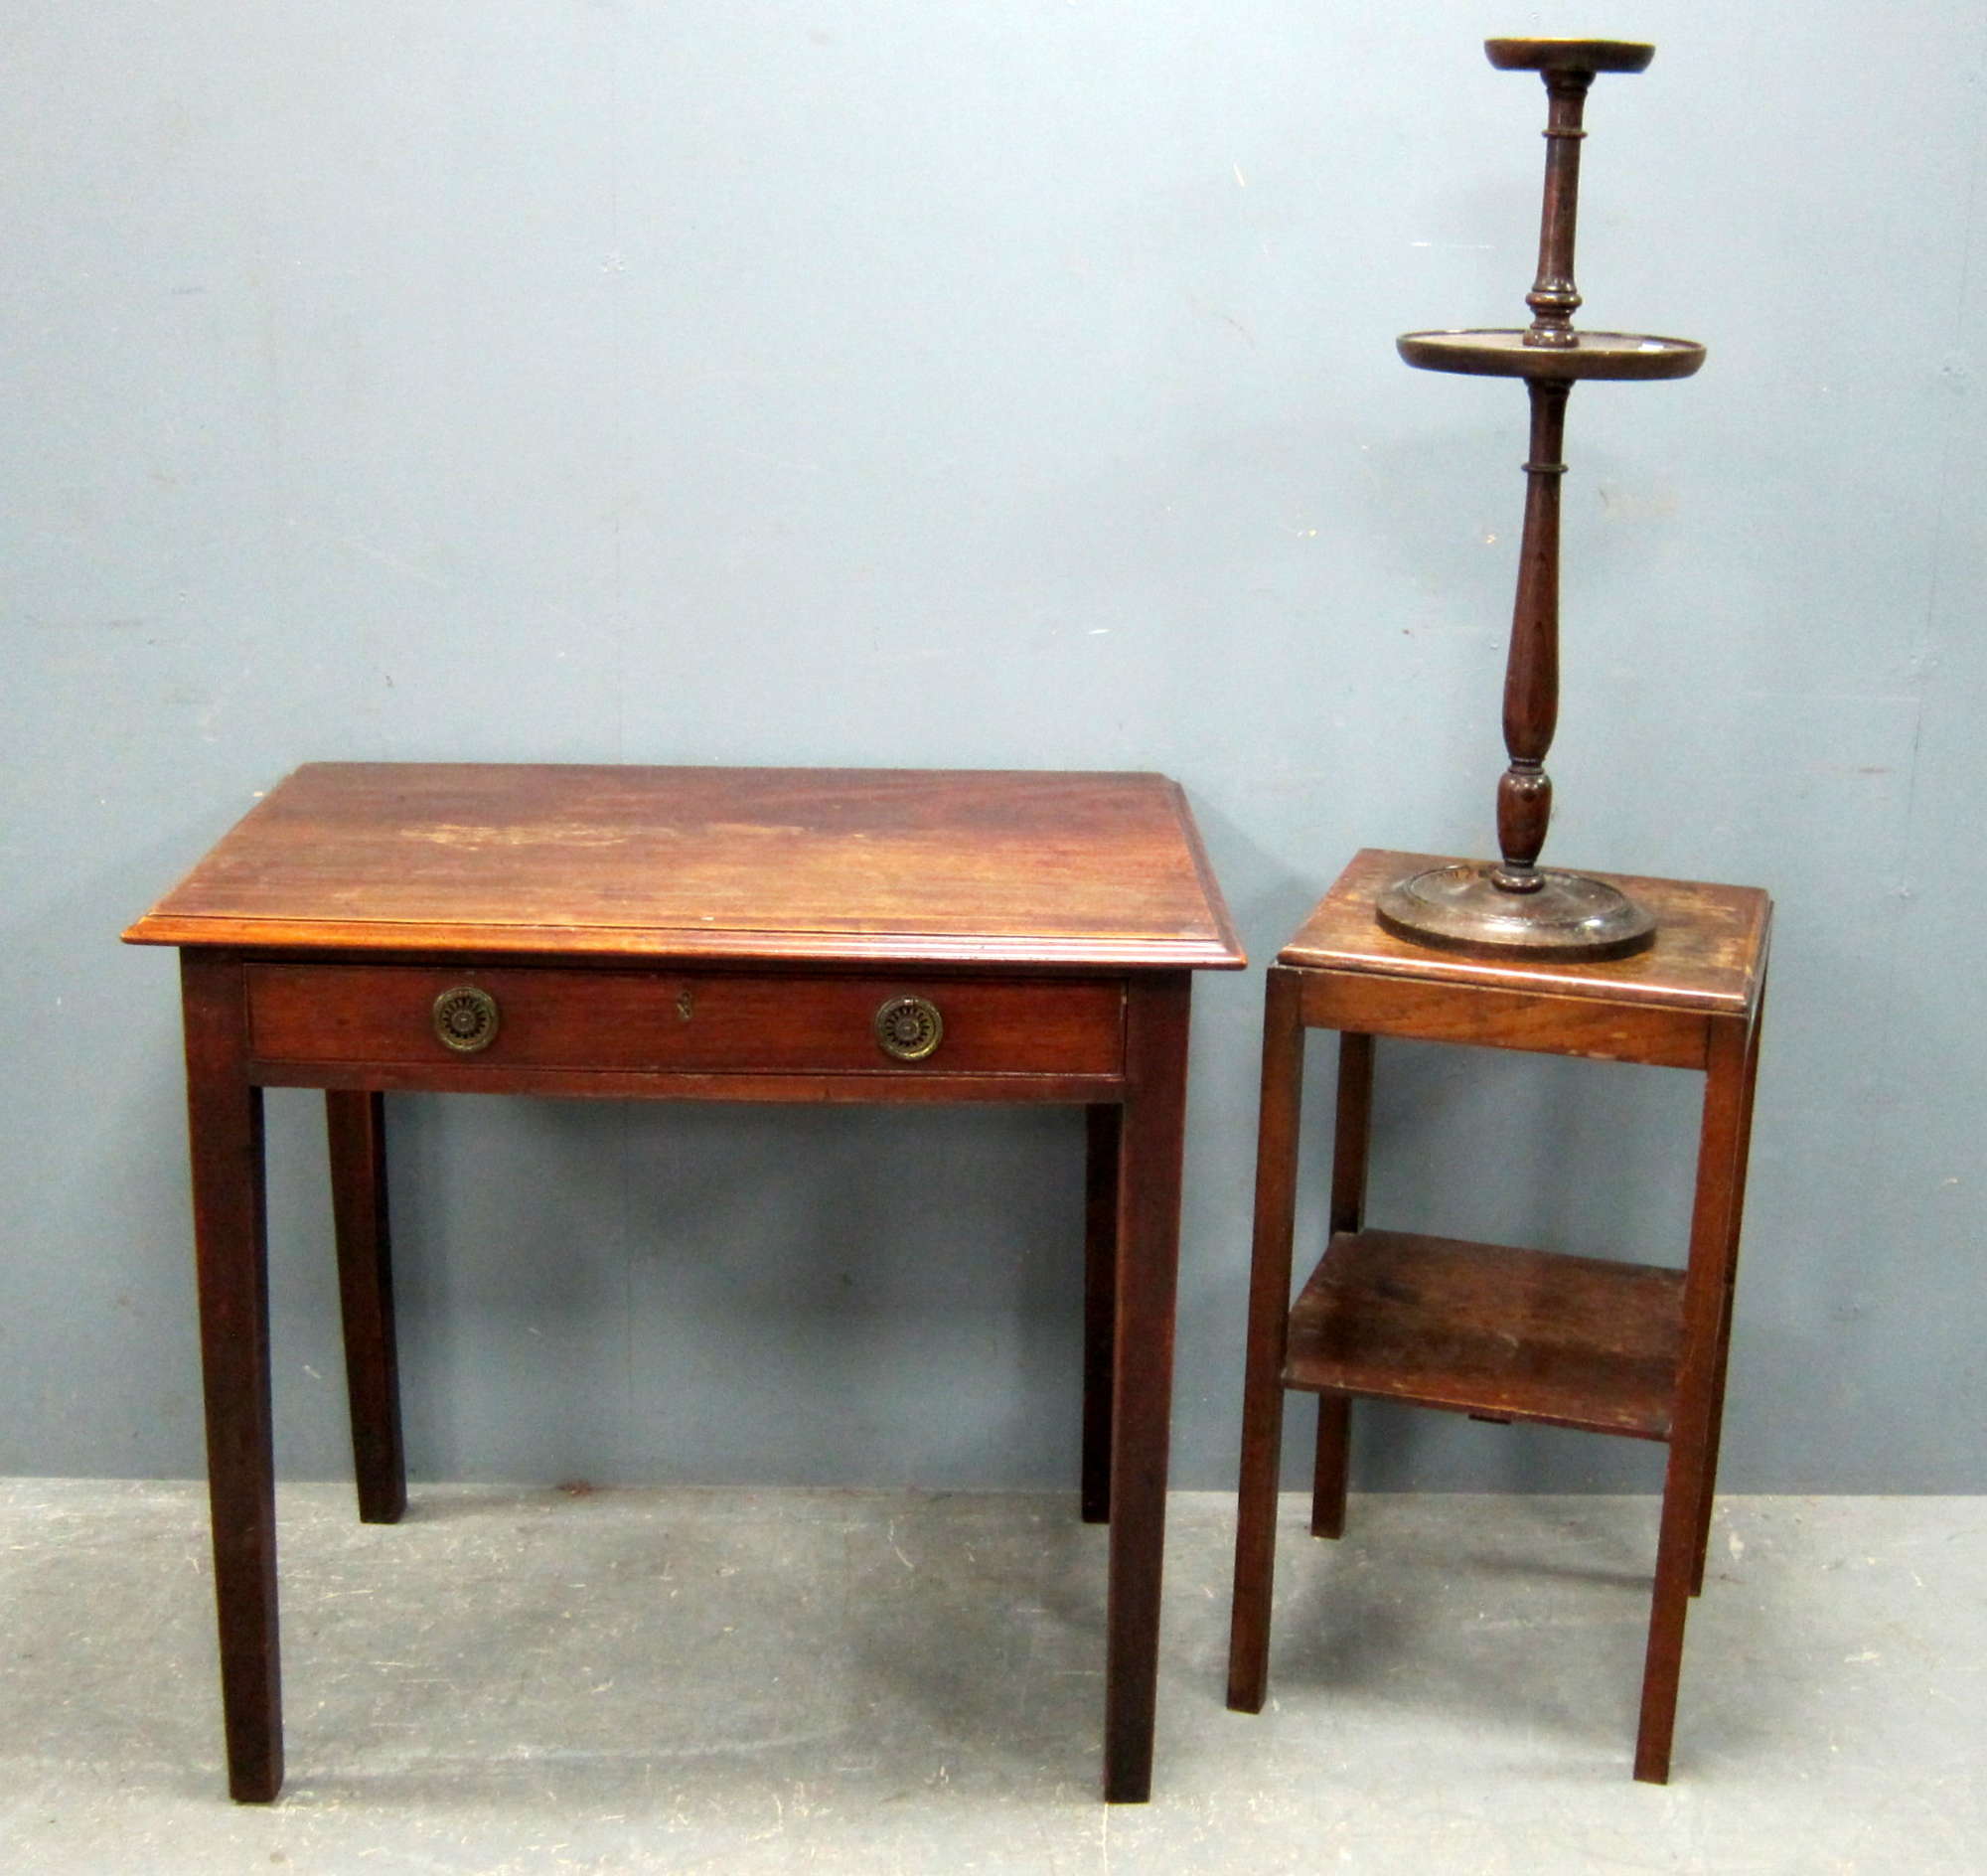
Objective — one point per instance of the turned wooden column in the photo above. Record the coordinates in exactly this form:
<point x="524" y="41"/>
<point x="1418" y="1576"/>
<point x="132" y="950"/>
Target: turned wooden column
<point x="1513" y="905"/>
<point x="1531" y="667"/>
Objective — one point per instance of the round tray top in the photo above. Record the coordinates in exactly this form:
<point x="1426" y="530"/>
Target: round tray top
<point x="1568" y="55"/>
<point x="1506" y="355"/>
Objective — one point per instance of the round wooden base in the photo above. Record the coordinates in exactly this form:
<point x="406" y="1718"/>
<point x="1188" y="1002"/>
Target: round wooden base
<point x="1570" y="917"/>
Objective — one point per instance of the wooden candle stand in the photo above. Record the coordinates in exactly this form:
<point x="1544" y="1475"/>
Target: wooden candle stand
<point x="1516" y="907"/>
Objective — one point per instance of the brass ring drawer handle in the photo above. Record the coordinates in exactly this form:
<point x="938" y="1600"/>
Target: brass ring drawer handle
<point x="909" y="1028"/>
<point x="465" y="1019"/>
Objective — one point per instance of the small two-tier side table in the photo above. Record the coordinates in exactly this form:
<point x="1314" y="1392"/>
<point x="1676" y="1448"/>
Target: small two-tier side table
<point x="686" y="934"/>
<point x="1501" y="1333"/>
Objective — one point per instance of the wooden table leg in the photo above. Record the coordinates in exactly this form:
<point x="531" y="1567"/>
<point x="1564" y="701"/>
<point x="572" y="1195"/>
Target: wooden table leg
<point x="1352" y="1130"/>
<point x="355" y="1124"/>
<point x="1707" y="1291"/>
<point x="1268" y="1320"/>
<point x="1710" y="1485"/>
<point x="1103" y="1128"/>
<point x="1149" y="1211"/>
<point x="225" y="1129"/>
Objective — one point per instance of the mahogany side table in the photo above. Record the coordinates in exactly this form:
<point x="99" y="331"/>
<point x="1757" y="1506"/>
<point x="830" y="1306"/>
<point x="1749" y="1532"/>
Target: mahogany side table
<point x="1501" y="1333"/>
<point x="686" y="934"/>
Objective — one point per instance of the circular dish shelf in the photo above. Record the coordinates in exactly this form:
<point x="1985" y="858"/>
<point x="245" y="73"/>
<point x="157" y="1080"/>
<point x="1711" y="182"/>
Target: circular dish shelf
<point x="1568" y="55"/>
<point x="1593" y="355"/>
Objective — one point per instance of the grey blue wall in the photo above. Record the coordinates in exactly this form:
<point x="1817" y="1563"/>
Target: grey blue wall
<point x="1008" y="383"/>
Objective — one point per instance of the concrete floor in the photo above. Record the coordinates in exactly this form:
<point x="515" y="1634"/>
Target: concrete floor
<point x="758" y="1680"/>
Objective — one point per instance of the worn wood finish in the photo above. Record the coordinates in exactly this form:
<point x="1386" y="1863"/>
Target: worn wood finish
<point x="1708" y="957"/>
<point x="1497" y="1332"/>
<point x="1489" y="1328"/>
<point x="224" y="1134"/>
<point x="681" y="1022"/>
<point x="356" y="1125"/>
<point x="882" y="865"/>
<point x="688" y="935"/>
<point x="1280" y="1112"/>
<point x="1150" y="1146"/>
<point x="1494" y="1016"/>
<point x="1103" y="1132"/>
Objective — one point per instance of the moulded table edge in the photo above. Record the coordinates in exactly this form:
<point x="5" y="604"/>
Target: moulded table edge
<point x="680" y="944"/>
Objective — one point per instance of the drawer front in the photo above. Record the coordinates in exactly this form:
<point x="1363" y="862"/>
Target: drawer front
<point x="687" y="1022"/>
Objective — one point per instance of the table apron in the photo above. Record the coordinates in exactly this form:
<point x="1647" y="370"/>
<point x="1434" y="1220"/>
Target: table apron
<point x="684" y="1035"/>
<point x="1489" y="1017"/>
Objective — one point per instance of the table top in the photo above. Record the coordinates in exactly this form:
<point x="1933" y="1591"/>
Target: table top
<point x="1709" y="953"/>
<point x="837" y="865"/>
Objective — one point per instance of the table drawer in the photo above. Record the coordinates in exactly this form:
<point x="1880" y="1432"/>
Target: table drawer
<point x="684" y="1021"/>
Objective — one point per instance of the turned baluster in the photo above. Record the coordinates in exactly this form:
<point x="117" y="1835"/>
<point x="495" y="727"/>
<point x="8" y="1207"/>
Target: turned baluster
<point x="1513" y="904"/>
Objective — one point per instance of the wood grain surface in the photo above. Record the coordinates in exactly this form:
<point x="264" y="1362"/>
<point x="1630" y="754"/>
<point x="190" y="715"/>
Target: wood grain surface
<point x="1050" y="870"/>
<point x="1489" y="1328"/>
<point x="380" y="1014"/>
<point x="1708" y="955"/>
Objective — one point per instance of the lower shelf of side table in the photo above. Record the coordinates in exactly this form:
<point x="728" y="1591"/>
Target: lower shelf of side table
<point x="1489" y="1328"/>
